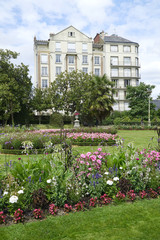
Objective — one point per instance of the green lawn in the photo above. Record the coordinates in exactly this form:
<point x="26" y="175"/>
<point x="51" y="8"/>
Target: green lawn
<point x="140" y="138"/>
<point x="137" y="221"/>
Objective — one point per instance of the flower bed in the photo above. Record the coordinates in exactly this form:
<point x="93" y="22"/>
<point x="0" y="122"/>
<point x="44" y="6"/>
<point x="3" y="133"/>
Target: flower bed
<point x="42" y="141"/>
<point x="65" y="182"/>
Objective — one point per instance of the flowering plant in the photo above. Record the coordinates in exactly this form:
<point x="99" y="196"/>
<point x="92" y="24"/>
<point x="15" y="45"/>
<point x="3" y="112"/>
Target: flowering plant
<point x="2" y="217"/>
<point x="120" y="196"/>
<point x="80" y="206"/>
<point x="76" y="113"/>
<point x="53" y="209"/>
<point x="37" y="213"/>
<point x="67" y="208"/>
<point x="131" y="195"/>
<point x="142" y="194"/>
<point x="18" y="215"/>
<point x="93" y="202"/>
<point x="105" y="199"/>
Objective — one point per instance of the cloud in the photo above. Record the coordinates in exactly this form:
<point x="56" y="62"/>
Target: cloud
<point x="136" y="20"/>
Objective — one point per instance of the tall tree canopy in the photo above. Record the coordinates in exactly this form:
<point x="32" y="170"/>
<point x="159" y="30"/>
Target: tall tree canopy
<point x="15" y="85"/>
<point x="92" y="96"/>
<point x="139" y="100"/>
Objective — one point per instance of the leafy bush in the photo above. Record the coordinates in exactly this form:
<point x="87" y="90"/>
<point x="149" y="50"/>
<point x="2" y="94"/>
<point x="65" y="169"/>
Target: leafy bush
<point x="56" y="120"/>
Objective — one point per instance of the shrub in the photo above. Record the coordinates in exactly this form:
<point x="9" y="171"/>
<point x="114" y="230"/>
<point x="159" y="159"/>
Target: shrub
<point x="39" y="198"/>
<point x="142" y="194"/>
<point x="93" y="202"/>
<point x="56" y="120"/>
<point x="124" y="185"/>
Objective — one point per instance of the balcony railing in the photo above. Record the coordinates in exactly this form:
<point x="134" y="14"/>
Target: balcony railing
<point x="125" y="64"/>
<point x="122" y="75"/>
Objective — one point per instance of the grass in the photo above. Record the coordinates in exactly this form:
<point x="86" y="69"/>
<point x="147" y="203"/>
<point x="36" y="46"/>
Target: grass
<point x="132" y="221"/>
<point x="140" y="139"/>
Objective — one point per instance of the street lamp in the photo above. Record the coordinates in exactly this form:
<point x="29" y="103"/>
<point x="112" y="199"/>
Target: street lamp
<point x="149" y="107"/>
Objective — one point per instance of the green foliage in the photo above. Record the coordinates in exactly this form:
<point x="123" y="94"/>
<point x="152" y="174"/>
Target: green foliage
<point x="138" y="100"/>
<point x="56" y="120"/>
<point x="15" y="86"/>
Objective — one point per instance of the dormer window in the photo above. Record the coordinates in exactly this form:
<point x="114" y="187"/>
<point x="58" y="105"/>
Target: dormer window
<point x="71" y="34"/>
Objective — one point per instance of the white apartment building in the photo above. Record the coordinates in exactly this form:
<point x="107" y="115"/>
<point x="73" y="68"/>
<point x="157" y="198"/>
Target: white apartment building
<point x="72" y="50"/>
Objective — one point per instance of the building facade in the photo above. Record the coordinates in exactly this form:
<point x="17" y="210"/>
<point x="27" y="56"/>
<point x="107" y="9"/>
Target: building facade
<point x="72" y="50"/>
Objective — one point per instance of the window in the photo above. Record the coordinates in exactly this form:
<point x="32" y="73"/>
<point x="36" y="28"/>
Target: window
<point x="71" y="69"/>
<point x="137" y="82"/>
<point x="97" y="71"/>
<point x="96" y="60"/>
<point x="115" y="81"/>
<point x="114" y="60"/>
<point x="71" y="59"/>
<point x="126" y="106"/>
<point x="44" y="83"/>
<point x="127" y="61"/>
<point x="44" y="58"/>
<point x="58" y="70"/>
<point x="114" y="48"/>
<point x="125" y="94"/>
<point x="71" y="34"/>
<point x="85" y="70"/>
<point x="137" y="62"/>
<point x="84" y="59"/>
<point x="58" y="58"/>
<point x="71" y="47"/>
<point x="126" y="48"/>
<point x="136" y="49"/>
<point x="114" y="72"/>
<point x="84" y="47"/>
<point x="44" y="71"/>
<point x="137" y="73"/>
<point x="127" y="82"/>
<point x="58" y="46"/>
<point x="115" y="106"/>
<point x="127" y="72"/>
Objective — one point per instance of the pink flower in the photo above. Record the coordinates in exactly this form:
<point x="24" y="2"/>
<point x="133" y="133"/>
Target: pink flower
<point x="99" y="161"/>
<point x="87" y="163"/>
<point x="83" y="156"/>
<point x="99" y="149"/>
<point x="93" y="157"/>
<point x="90" y="169"/>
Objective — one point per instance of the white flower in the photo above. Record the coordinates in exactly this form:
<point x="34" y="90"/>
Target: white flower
<point x="49" y="181"/>
<point x="106" y="173"/>
<point x="54" y="179"/>
<point x="115" y="179"/>
<point x="120" y="168"/>
<point x="109" y="182"/>
<point x="13" y="199"/>
<point x="20" y="191"/>
<point x="5" y="193"/>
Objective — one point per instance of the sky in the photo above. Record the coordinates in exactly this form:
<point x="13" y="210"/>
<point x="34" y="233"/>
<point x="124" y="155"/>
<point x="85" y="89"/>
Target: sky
<point x="135" y="20"/>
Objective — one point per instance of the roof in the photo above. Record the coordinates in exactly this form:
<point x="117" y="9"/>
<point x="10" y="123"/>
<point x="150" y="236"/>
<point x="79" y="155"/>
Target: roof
<point x="116" y="39"/>
<point x="41" y="42"/>
<point x="75" y="29"/>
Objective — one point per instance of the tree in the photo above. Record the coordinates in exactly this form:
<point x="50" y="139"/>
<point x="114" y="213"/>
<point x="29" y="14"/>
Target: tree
<point x="158" y="97"/>
<point x="101" y="97"/>
<point x="139" y="99"/>
<point x="69" y="91"/>
<point x="92" y="96"/>
<point x="41" y="101"/>
<point x="15" y="85"/>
